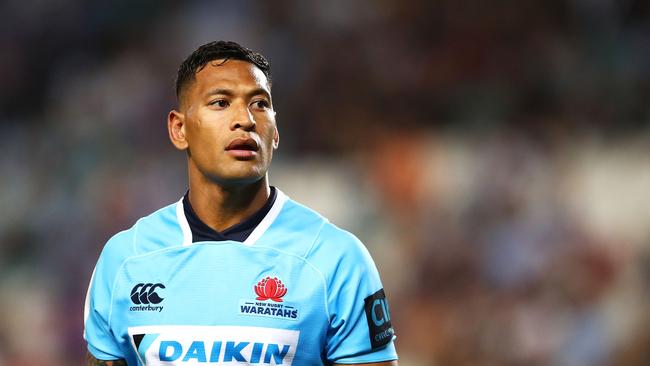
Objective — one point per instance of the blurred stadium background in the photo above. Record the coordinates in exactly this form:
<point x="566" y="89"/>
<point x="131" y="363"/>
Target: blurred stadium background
<point x="494" y="157"/>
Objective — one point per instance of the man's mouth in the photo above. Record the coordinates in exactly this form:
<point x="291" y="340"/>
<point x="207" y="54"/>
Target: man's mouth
<point x="243" y="148"/>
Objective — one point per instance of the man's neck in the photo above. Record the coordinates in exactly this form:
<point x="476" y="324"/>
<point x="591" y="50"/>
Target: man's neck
<point x="221" y="207"/>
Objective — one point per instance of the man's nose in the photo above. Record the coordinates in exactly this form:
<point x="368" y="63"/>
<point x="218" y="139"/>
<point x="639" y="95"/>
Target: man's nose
<point x="243" y="119"/>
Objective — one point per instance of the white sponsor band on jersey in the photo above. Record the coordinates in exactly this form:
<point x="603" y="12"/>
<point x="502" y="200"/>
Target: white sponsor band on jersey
<point x="166" y="345"/>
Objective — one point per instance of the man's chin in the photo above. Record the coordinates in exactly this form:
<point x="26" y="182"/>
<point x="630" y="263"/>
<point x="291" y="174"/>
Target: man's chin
<point x="234" y="180"/>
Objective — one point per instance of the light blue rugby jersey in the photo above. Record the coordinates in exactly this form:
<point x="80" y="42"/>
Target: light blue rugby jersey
<point x="298" y="290"/>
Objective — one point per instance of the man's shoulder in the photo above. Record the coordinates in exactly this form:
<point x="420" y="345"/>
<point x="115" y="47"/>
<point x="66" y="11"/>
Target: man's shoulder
<point x="327" y="236"/>
<point x="339" y="242"/>
<point x="154" y="231"/>
<point x="297" y="212"/>
<point x="334" y="251"/>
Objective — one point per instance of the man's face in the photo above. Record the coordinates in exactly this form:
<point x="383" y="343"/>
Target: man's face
<point x="229" y="122"/>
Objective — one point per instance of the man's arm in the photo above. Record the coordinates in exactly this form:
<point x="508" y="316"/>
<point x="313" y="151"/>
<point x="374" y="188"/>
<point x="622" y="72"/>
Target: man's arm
<point x="92" y="361"/>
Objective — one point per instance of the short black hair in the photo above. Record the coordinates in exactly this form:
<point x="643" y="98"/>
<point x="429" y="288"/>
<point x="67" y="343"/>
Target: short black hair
<point x="217" y="50"/>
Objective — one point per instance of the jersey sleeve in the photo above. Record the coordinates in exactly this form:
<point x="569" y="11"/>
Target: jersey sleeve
<point x="99" y="300"/>
<point x="360" y="329"/>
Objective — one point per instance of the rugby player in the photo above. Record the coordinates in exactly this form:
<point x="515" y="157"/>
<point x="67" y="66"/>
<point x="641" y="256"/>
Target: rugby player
<point x="235" y="272"/>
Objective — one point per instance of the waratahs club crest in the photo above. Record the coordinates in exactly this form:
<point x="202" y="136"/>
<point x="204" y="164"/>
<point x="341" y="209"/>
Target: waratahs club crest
<point x="270" y="289"/>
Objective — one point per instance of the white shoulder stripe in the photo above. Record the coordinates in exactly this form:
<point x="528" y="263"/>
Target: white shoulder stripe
<point x="182" y="221"/>
<point x="266" y="222"/>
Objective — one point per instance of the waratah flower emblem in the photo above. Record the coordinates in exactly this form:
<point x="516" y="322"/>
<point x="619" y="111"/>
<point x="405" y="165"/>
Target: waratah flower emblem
<point x="270" y="288"/>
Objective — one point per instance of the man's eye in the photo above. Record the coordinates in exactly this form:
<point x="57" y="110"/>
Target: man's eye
<point x="221" y="103"/>
<point x="261" y="104"/>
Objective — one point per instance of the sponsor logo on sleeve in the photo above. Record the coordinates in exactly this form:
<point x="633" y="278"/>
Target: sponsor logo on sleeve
<point x="379" y="326"/>
<point x="213" y="345"/>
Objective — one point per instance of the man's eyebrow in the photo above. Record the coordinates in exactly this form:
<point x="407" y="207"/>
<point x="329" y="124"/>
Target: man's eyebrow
<point x="230" y="93"/>
<point x="259" y="91"/>
<point x="227" y="92"/>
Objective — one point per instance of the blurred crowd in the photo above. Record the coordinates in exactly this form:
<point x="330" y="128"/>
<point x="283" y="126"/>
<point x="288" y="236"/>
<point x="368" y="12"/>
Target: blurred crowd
<point x="493" y="156"/>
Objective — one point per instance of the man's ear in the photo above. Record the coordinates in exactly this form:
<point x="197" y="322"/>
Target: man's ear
<point x="276" y="138"/>
<point x="176" y="129"/>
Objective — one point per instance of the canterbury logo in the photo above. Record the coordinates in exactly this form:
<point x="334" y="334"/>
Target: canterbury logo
<point x="145" y="293"/>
